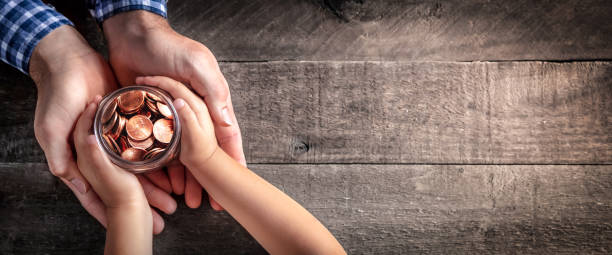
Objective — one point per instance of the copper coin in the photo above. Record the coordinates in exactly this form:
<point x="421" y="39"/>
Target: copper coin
<point x="145" y="113"/>
<point x="110" y="111"/>
<point x="131" y="101"/>
<point x="153" y="153"/>
<point x="123" y="143"/>
<point x="152" y="106"/>
<point x="139" y="127"/>
<point x="144" y="144"/>
<point x="112" y="144"/>
<point x="163" y="129"/>
<point x="164" y="110"/>
<point x="116" y="132"/>
<point x="133" y="154"/>
<point x="108" y="126"/>
<point x="153" y="96"/>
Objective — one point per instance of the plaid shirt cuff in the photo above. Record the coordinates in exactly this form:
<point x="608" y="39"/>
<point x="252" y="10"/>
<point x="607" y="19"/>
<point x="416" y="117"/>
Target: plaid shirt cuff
<point x="104" y="9"/>
<point x="22" y="25"/>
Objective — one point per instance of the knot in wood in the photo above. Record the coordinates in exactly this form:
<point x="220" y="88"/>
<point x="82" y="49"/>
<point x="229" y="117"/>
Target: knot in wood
<point x="300" y="147"/>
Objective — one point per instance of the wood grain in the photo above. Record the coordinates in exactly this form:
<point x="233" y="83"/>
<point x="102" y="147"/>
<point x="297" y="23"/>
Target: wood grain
<point x="397" y="112"/>
<point x="371" y="209"/>
<point x="456" y="30"/>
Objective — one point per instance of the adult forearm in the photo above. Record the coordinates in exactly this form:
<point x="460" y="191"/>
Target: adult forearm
<point x="134" y="25"/>
<point x="60" y="46"/>
<point x="279" y="223"/>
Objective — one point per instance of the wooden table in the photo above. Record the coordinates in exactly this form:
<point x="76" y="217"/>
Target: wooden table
<point x="462" y="126"/>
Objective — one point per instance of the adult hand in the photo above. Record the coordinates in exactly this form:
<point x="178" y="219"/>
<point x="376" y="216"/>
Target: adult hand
<point x="142" y="43"/>
<point x="69" y="74"/>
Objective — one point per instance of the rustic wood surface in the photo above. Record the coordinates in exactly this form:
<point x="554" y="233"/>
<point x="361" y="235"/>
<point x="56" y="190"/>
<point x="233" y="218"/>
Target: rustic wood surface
<point x="399" y="112"/>
<point x="372" y="209"/>
<point x="456" y="30"/>
<point x="380" y="118"/>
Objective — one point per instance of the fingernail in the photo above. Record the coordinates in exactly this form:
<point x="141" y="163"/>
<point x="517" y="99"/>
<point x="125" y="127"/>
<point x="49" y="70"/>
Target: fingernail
<point x="79" y="185"/>
<point x="98" y="98"/>
<point x="179" y="103"/>
<point x="226" y="117"/>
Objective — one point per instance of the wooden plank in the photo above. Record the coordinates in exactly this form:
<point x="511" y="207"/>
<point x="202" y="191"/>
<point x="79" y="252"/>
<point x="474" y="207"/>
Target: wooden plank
<point x="397" y="112"/>
<point x="458" y="30"/>
<point x="371" y="209"/>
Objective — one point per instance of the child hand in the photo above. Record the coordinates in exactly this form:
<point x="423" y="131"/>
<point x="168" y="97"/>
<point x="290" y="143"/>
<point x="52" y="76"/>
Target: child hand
<point x="198" y="142"/>
<point x="115" y="186"/>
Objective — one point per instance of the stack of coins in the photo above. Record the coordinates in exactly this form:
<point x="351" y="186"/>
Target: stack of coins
<point x="137" y="125"/>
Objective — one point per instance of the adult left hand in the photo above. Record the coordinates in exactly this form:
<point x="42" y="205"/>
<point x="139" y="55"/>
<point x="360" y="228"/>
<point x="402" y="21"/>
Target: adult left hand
<point x="141" y="43"/>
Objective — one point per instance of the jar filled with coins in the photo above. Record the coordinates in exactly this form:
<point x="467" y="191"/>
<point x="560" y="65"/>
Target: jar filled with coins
<point x="138" y="128"/>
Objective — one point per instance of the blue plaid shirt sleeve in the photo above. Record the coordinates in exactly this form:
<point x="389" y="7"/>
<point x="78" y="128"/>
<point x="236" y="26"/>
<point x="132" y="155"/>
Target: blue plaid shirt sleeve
<point x="104" y="9"/>
<point x="22" y="25"/>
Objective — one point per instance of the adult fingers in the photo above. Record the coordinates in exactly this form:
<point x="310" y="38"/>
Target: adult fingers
<point x="176" y="171"/>
<point x="230" y="139"/>
<point x="207" y="79"/>
<point x="193" y="191"/>
<point x="91" y="202"/>
<point x="58" y="152"/>
<point x="158" y="222"/>
<point x="157" y="197"/>
<point x="213" y="203"/>
<point x="160" y="179"/>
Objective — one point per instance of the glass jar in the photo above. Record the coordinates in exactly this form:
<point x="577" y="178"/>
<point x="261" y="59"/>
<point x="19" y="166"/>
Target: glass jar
<point x="138" y="128"/>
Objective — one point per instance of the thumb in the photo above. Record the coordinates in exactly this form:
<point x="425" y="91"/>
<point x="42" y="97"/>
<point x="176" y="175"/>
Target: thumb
<point x="62" y="164"/>
<point x="189" y="122"/>
<point x="213" y="87"/>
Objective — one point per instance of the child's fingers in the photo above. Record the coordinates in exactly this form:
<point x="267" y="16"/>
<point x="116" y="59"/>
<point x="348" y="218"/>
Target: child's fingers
<point x="83" y="126"/>
<point x="160" y="179"/>
<point x="157" y="197"/>
<point x="176" y="90"/>
<point x="85" y="143"/>
<point x="193" y="191"/>
<point x="176" y="171"/>
<point x="190" y="126"/>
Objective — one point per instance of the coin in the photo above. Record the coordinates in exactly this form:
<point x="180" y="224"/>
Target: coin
<point x="123" y="143"/>
<point x="139" y="127"/>
<point x="110" y="111"/>
<point x="133" y="154"/>
<point x="128" y="128"/>
<point x="116" y="132"/>
<point x="111" y="143"/>
<point x="153" y="97"/>
<point x="131" y="101"/>
<point x="163" y="129"/>
<point x="153" y="153"/>
<point x="108" y="126"/>
<point x="144" y="144"/>
<point x="145" y="113"/>
<point x="152" y="106"/>
<point x="164" y="110"/>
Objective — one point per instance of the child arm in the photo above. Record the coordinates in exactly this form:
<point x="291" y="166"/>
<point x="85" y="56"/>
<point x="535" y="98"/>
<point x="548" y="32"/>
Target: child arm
<point x="128" y="215"/>
<point x="278" y="223"/>
<point x="275" y="220"/>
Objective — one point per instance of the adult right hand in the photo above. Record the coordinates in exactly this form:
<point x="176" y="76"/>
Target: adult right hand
<point x="68" y="74"/>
